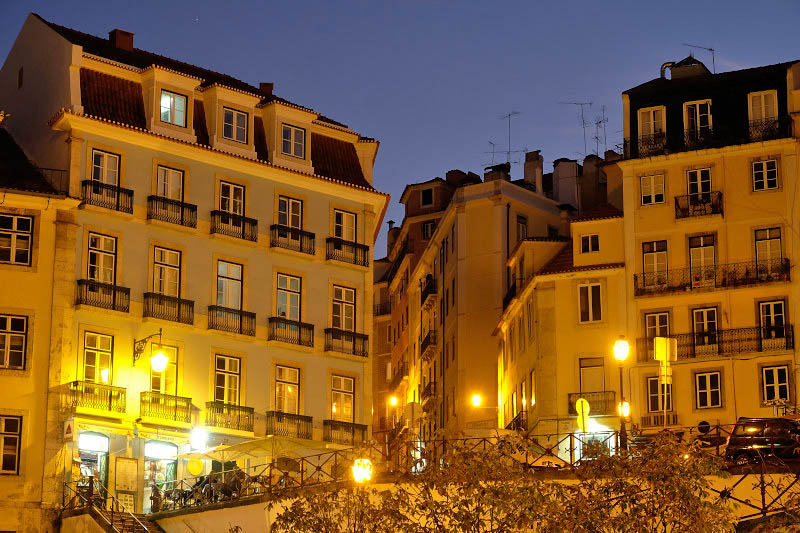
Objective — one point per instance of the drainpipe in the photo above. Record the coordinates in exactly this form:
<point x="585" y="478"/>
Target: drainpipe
<point x="508" y="251"/>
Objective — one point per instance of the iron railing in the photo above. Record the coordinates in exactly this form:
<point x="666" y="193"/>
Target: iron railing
<point x="519" y="422"/>
<point x="291" y="239"/>
<point x="232" y="225"/>
<point x="724" y="342"/>
<point x="427" y="344"/>
<point x="229" y="416"/>
<point x="231" y="320"/>
<point x="601" y="403"/>
<point x="172" y="211"/>
<point x="657" y="420"/>
<point x="89" y="494"/>
<point x="698" y="205"/>
<point x="168" y="308"/>
<point x="97" y="396"/>
<point x="729" y="276"/>
<point x="347" y="251"/>
<point x="349" y="342"/>
<point x="429" y="290"/>
<point x="382" y="308"/>
<point x="343" y="432"/>
<point x="770" y="128"/>
<point x="289" y="425"/>
<point x="165" y="406"/>
<point x="398" y="374"/>
<point x="428" y="394"/>
<point x="291" y="331"/>
<point x="107" y="196"/>
<point x="104" y="295"/>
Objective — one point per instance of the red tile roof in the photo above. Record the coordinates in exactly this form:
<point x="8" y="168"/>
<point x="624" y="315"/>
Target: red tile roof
<point x="112" y="98"/>
<point x="336" y="159"/>
<point x="598" y="213"/>
<point x="17" y="172"/>
<point x="563" y="261"/>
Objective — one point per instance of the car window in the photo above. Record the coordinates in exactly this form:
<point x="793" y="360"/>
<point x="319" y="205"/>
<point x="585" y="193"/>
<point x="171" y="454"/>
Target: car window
<point x="750" y="429"/>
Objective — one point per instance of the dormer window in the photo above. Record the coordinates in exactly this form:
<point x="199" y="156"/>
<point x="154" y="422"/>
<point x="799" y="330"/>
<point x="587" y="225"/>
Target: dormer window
<point x="697" y="118"/>
<point x="173" y="108"/>
<point x="294" y="141"/>
<point x="234" y="125"/>
<point x="427" y="198"/>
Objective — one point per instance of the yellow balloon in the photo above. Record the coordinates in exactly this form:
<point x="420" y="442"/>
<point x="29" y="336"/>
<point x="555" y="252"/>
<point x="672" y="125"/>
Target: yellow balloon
<point x="195" y="467"/>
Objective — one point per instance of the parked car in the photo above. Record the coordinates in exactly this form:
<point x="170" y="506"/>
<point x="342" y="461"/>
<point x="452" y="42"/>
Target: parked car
<point x="757" y="439"/>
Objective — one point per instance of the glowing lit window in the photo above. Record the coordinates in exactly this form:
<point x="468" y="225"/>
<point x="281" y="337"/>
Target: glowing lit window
<point x="287" y="389"/>
<point x="173" y="108"/>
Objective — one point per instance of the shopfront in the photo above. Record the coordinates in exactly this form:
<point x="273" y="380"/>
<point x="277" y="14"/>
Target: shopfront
<point x="93" y="457"/>
<point x="160" y="468"/>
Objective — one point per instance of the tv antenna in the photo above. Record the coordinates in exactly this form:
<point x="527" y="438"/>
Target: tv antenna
<point x="600" y="131"/>
<point x="713" y="61"/>
<point x="508" y="117"/>
<point x="493" y="147"/>
<point x="583" y="120"/>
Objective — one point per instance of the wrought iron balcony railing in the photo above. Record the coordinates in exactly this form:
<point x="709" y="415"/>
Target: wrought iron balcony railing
<point x="399" y="374"/>
<point x="429" y="291"/>
<point x="231" y="320"/>
<point x="291" y="239"/>
<point x="289" y="425"/>
<point x="728" y="276"/>
<point x="232" y="225"/>
<point x="291" y="331"/>
<point x="519" y="422"/>
<point x="108" y="196"/>
<point x="697" y="205"/>
<point x="229" y="416"/>
<point x="172" y="211"/>
<point x="724" y="342"/>
<point x="383" y="308"/>
<point x="165" y="406"/>
<point x="168" y="308"/>
<point x="601" y="403"/>
<point x="657" y="420"/>
<point x="103" y="295"/>
<point x="428" y="345"/>
<point x="428" y="394"/>
<point x="347" y="251"/>
<point x="343" y="432"/>
<point x="97" y="396"/>
<point x="349" y="342"/>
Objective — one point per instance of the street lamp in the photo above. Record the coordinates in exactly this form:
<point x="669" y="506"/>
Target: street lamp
<point x="621" y="349"/>
<point x="476" y="400"/>
<point x="362" y="470"/>
<point x="159" y="360"/>
<point x="393" y="401"/>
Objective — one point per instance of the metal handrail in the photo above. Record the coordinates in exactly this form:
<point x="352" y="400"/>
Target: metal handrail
<point x="103" y="510"/>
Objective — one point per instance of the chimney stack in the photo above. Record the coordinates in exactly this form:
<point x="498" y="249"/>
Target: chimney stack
<point x="266" y="87"/>
<point x="391" y="237"/>
<point x="532" y="171"/>
<point x="121" y="39"/>
<point x="497" y="172"/>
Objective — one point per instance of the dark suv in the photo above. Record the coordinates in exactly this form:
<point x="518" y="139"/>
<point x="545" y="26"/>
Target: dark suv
<point x="755" y="439"/>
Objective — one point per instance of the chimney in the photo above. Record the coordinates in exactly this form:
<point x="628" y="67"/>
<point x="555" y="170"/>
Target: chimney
<point x="611" y="155"/>
<point x="391" y="237"/>
<point x="454" y="177"/>
<point x="266" y="87"/>
<point x="121" y="39"/>
<point x="532" y="171"/>
<point x="497" y="172"/>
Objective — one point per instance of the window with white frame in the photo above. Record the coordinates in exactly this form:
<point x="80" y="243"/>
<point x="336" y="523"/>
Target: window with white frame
<point x="659" y="396"/>
<point x="698" y="181"/>
<point x="705" y="326"/>
<point x="590" y="243"/>
<point x="697" y="118"/>
<point x="656" y="325"/>
<point x="167" y="272"/>
<point x="234" y="125"/>
<point x="13" y="340"/>
<point x="651" y="121"/>
<point x="227" y="378"/>
<point x="765" y="175"/>
<point x="707" y="390"/>
<point x="773" y="325"/>
<point x="426" y="197"/>
<point x="344" y="308"/>
<point x="97" y="350"/>
<point x="287" y="389"/>
<point x="16" y="237"/>
<point x="768" y="251"/>
<point x="763" y="105"/>
<point x="590" y="304"/>
<point x="165" y="382"/>
<point x="102" y="260"/>
<point x="231" y="198"/>
<point x="344" y="225"/>
<point x="169" y="183"/>
<point x="522" y="227"/>
<point x="652" y="189"/>
<point x="428" y="227"/>
<point x="289" y="297"/>
<point x="293" y="141"/>
<point x="173" y="108"/>
<point x="775" y="380"/>
<point x="229" y="285"/>
<point x="702" y="260"/>
<point x="105" y="167"/>
<point x="10" y="444"/>
<point x="654" y="262"/>
<point x="342" y="398"/>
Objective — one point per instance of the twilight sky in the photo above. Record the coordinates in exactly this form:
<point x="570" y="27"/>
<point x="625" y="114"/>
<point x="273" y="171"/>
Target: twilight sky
<point x="430" y="79"/>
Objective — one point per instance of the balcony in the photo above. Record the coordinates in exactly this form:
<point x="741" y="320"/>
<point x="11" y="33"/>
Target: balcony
<point x="728" y="276"/>
<point x="519" y="422"/>
<point x="168" y="308"/>
<point x="291" y="239"/>
<point x="236" y="226"/>
<point x="172" y="211"/>
<point x="97" y="396"/>
<point x="398" y="260"/>
<point x="343" y="432"/>
<point x="770" y="128"/>
<point x="428" y="395"/>
<point x="165" y="407"/>
<point x="347" y="251"/>
<point x="229" y="416"/>
<point x="510" y="294"/>
<point x="398" y="375"/>
<point x="724" y="342"/>
<point x="657" y="420"/>
<point x="427" y="345"/>
<point x="290" y="331"/>
<point x="601" y="403"/>
<point x="107" y="196"/>
<point x="349" y="342"/>
<point x="383" y="308"/>
<point x="231" y="320"/>
<point x="103" y="295"/>
<point x="698" y="205"/>
<point x="429" y="292"/>
<point x="289" y="425"/>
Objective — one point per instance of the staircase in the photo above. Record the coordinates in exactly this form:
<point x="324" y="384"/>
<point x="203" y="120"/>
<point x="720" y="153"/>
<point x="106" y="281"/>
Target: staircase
<point x="133" y="523"/>
<point x="90" y="497"/>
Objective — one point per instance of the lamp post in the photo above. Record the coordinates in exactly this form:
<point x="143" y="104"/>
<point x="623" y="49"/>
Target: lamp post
<point x="159" y="360"/>
<point x="621" y="349"/>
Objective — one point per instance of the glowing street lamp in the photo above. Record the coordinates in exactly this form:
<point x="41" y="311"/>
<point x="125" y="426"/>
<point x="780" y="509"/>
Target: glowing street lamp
<point x="393" y="401"/>
<point x="159" y="360"/>
<point x="362" y="470"/>
<point x="621" y="349"/>
<point x="476" y="400"/>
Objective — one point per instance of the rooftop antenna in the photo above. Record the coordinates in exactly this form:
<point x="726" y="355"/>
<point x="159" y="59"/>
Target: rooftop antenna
<point x="713" y="61"/>
<point x="508" y="116"/>
<point x="600" y="124"/>
<point x="583" y="120"/>
<point x="493" y="147"/>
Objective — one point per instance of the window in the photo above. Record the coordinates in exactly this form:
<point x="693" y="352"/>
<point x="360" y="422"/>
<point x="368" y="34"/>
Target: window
<point x="590" y="243"/>
<point x="344" y="225"/>
<point x="234" y="125"/>
<point x="427" y="229"/>
<point x="697" y="118"/>
<point x="590" y="303"/>
<point x="288" y="297"/>
<point x="97" y="349"/>
<point x="389" y="334"/>
<point x="165" y="382"/>
<point x="10" y="438"/>
<point x="294" y="141"/>
<point x="705" y="327"/>
<point x="105" y="167"/>
<point x="775" y="381"/>
<point x="707" y="390"/>
<point x="227" y="375"/>
<point x="651" y="121"/>
<point x="229" y="285"/>
<point x="701" y="260"/>
<point x="763" y="105"/>
<point x="344" y="308"/>
<point x="592" y="374"/>
<point x="16" y="235"/>
<point x="13" y="338"/>
<point x="659" y="398"/>
<point x="287" y="389"/>
<point x="167" y="272"/>
<point x="654" y="262"/>
<point x="522" y="228"/>
<point x="656" y="325"/>
<point x="427" y="197"/>
<point x="231" y="198"/>
<point x="102" y="260"/>
<point x="765" y="175"/>
<point x="169" y="183"/>
<point x="173" y="108"/>
<point x="342" y="393"/>
<point x="772" y="322"/>
<point x="768" y="251"/>
<point x="652" y="189"/>
<point x="698" y="182"/>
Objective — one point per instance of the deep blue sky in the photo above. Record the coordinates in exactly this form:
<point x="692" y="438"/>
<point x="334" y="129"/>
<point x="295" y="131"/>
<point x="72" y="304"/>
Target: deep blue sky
<point x="430" y="79"/>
